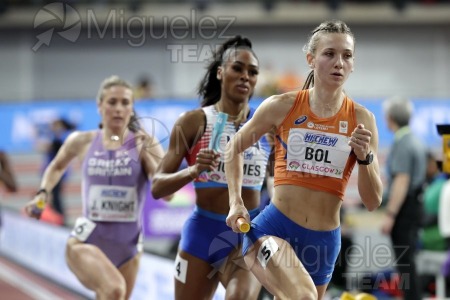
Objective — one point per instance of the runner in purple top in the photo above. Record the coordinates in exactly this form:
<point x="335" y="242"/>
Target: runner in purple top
<point x="103" y="250"/>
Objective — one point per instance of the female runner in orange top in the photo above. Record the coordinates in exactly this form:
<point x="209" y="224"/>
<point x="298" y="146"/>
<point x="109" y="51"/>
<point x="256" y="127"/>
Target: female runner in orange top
<point x="320" y="133"/>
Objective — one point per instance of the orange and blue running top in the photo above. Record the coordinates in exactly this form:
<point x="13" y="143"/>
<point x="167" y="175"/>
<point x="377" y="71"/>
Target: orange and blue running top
<point x="313" y="152"/>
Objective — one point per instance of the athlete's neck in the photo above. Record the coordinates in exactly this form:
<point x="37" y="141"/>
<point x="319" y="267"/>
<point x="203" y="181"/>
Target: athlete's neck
<point x="235" y="112"/>
<point x="114" y="137"/>
<point x="325" y="104"/>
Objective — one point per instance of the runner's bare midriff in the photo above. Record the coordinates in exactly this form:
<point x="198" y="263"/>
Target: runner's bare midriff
<point x="217" y="199"/>
<point x="311" y="209"/>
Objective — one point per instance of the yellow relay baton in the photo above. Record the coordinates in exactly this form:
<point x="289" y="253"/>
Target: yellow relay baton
<point x="39" y="207"/>
<point x="41" y="203"/>
<point x="243" y="226"/>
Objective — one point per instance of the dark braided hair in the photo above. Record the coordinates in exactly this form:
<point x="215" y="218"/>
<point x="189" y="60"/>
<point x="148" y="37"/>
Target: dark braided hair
<point x="333" y="26"/>
<point x="209" y="88"/>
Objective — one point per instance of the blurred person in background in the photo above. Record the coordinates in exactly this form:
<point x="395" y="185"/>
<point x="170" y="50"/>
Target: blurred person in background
<point x="289" y="81"/>
<point x="431" y="238"/>
<point x="321" y="133"/>
<point x="444" y="227"/>
<point x="104" y="248"/>
<point x="406" y="169"/>
<point x="267" y="81"/>
<point x="144" y="88"/>
<point x="59" y="131"/>
<point x="209" y="251"/>
<point x="7" y="177"/>
<point x="339" y="280"/>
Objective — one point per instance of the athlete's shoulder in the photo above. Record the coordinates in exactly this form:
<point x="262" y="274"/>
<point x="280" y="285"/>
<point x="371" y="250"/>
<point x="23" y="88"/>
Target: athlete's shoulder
<point x="286" y="98"/>
<point x="192" y="116"/>
<point x="81" y="137"/>
<point x="78" y="141"/>
<point x="362" y="113"/>
<point x="280" y="103"/>
<point x="143" y="136"/>
<point x="274" y="109"/>
<point x="189" y="124"/>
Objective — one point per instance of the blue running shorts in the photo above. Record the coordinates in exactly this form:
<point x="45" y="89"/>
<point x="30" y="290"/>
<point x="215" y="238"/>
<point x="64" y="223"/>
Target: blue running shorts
<point x="317" y="250"/>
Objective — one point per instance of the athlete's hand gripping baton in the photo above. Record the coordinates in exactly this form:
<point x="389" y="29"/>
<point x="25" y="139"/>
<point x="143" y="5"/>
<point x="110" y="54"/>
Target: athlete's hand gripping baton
<point x="38" y="208"/>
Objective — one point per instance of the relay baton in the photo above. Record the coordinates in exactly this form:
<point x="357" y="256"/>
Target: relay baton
<point x="243" y="226"/>
<point x="214" y="142"/>
<point x="218" y="128"/>
<point x="39" y="207"/>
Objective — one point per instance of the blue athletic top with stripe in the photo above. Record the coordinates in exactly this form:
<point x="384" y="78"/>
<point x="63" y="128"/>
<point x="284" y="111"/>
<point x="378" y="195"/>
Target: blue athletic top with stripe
<point x="255" y="157"/>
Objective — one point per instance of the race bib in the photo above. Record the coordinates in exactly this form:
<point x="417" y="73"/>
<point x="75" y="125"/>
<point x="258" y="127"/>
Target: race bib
<point x="317" y="152"/>
<point x="266" y="251"/>
<point x="83" y="228"/>
<point x="112" y="203"/>
<point x="254" y="168"/>
<point x="180" y="271"/>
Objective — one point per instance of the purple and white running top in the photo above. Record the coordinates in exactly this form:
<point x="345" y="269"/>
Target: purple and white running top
<point x="114" y="188"/>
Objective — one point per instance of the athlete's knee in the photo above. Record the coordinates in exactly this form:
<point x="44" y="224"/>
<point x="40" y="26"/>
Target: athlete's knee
<point x="73" y="248"/>
<point x="300" y="292"/>
<point x="306" y="293"/>
<point x="116" y="290"/>
<point x="71" y="253"/>
<point x="242" y="294"/>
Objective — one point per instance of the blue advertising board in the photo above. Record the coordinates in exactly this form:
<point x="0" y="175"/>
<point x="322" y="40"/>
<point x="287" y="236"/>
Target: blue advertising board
<point x="23" y="123"/>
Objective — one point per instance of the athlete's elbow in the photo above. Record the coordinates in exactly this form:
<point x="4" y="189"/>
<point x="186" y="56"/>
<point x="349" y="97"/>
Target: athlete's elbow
<point x="156" y="190"/>
<point x="168" y="197"/>
<point x="372" y="208"/>
<point x="156" y="194"/>
<point x="373" y="203"/>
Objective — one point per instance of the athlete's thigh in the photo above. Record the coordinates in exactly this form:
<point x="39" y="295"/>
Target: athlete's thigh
<point x="194" y="278"/>
<point x="129" y="272"/>
<point x="321" y="289"/>
<point x="238" y="280"/>
<point x="90" y="265"/>
<point x="277" y="267"/>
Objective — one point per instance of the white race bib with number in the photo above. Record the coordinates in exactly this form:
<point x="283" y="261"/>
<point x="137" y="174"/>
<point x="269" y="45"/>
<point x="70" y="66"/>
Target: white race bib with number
<point x="317" y="152"/>
<point x="180" y="271"/>
<point x="83" y="228"/>
<point x="112" y="203"/>
<point x="266" y="251"/>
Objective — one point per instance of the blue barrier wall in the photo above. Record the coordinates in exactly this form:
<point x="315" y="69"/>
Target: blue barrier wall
<point x="24" y="123"/>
